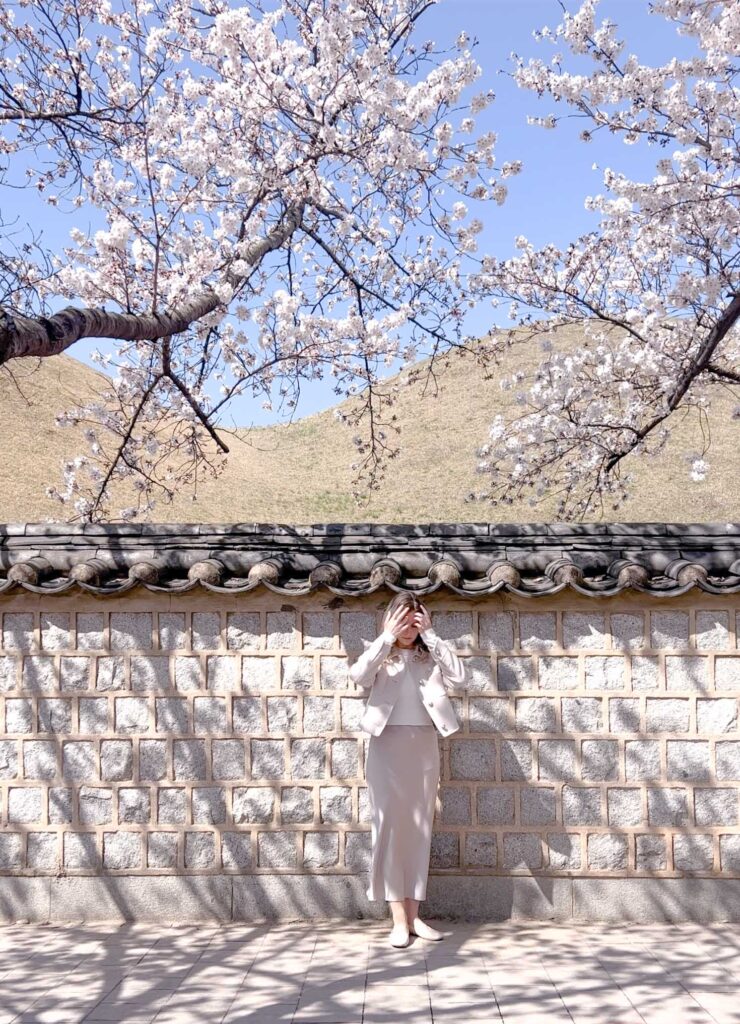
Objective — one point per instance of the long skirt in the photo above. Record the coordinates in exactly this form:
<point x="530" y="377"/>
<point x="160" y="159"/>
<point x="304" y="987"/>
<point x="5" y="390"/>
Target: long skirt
<point x="402" y="772"/>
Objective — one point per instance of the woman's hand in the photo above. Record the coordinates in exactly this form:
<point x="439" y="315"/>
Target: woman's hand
<point x="422" y="619"/>
<point x="397" y="620"/>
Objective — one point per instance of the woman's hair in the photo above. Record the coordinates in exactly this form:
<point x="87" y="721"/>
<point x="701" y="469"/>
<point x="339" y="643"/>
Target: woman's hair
<point x="404" y="599"/>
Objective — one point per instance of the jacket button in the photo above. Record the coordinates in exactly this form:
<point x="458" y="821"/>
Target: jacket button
<point x="430" y="704"/>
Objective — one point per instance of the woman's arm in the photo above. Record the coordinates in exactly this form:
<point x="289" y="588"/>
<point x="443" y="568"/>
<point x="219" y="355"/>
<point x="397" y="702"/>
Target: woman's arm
<point x="364" y="670"/>
<point x="452" y="666"/>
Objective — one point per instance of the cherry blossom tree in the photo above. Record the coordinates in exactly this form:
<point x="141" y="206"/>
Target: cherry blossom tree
<point x="655" y="287"/>
<point x="282" y="190"/>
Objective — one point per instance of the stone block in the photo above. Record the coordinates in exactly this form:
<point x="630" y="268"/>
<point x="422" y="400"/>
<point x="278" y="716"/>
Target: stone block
<point x="81" y="850"/>
<point x="607" y="851"/>
<point x="693" y="853"/>
<point x="495" y="631"/>
<point x="624" y="714"/>
<point x="716" y="716"/>
<point x="96" y="805"/>
<point x="455" y="805"/>
<point x="581" y="805"/>
<point x="494" y="805"/>
<point x="667" y="807"/>
<point x="333" y="673"/>
<point x="472" y="759"/>
<point x="296" y="805"/>
<point x="161" y="850"/>
<point x="351" y="711"/>
<point x="605" y="673"/>
<point x="116" y="760"/>
<point x="535" y="714"/>
<point x="236" y="850"/>
<point x="132" y="714"/>
<point x="243" y="631"/>
<point x="9" y="668"/>
<point x="729" y="853"/>
<point x="78" y="761"/>
<point x="93" y="712"/>
<point x="445" y="850"/>
<point x="727" y="673"/>
<point x="522" y="850"/>
<point x="206" y="631"/>
<point x="564" y="851"/>
<point x="259" y="675"/>
<point x="667" y="714"/>
<point x="357" y="850"/>
<point x="320" y="850"/>
<point x="90" y="627"/>
<point x="479" y="675"/>
<point x="223" y="673"/>
<point x="247" y="715"/>
<point x="268" y="759"/>
<point x="628" y="631"/>
<point x="209" y="805"/>
<point x="172" y="633"/>
<point x="253" y="804"/>
<point x="354" y="627"/>
<point x="488" y="714"/>
<point x="712" y="630"/>
<point x="308" y="759"/>
<point x="318" y="630"/>
<point x="110" y="674"/>
<point x="152" y="760"/>
<point x="516" y="760"/>
<point x="43" y="851"/>
<point x="18" y="631"/>
<point x="650" y="853"/>
<point x="344" y="759"/>
<point x="537" y="805"/>
<point x="515" y="674"/>
<point x="297" y="672"/>
<point x="537" y="631"/>
<point x="172" y="806"/>
<point x="25" y="804"/>
<point x="60" y="805"/>
<point x="480" y="850"/>
<point x="189" y="759"/>
<point x="227" y="759"/>
<point x="688" y="760"/>
<point x="582" y="714"/>
<point x="55" y="714"/>
<point x="200" y="849"/>
<point x="130" y="631"/>
<point x="714" y="806"/>
<point x="599" y="760"/>
<point x="122" y="850"/>
<point x="37" y="673"/>
<point x="584" y="631"/>
<point x="209" y="715"/>
<point x="171" y="714"/>
<point x="282" y="630"/>
<point x="335" y="803"/>
<point x="645" y="672"/>
<point x="277" y="849"/>
<point x="188" y="674"/>
<point x="685" y="672"/>
<point x="74" y="674"/>
<point x="624" y="806"/>
<point x="557" y="759"/>
<point x="669" y="630"/>
<point x="282" y="714"/>
<point x="18" y="715"/>
<point x="151" y="673"/>
<point x="318" y="714"/>
<point x="642" y="760"/>
<point x="11" y="849"/>
<point x="133" y="806"/>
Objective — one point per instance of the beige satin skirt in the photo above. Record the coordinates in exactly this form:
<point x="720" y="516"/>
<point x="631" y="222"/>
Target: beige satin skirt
<point x="402" y="772"/>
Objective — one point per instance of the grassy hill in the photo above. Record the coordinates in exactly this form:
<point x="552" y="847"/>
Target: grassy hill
<point x="299" y="473"/>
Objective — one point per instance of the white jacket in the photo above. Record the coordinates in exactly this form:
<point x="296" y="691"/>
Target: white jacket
<point x="370" y="673"/>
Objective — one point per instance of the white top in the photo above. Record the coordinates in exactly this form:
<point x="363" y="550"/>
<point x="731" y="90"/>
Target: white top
<point x="409" y="708"/>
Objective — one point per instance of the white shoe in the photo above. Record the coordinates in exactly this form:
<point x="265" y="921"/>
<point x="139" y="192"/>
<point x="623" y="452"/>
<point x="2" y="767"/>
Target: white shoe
<point x="399" y="936"/>
<point x="424" y="931"/>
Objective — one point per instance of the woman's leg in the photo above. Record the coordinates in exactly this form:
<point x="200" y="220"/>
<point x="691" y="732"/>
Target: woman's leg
<point x="398" y="912"/>
<point x="399" y="936"/>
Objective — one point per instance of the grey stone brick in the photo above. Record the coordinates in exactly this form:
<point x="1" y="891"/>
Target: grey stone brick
<point x="11" y="849"/>
<point x="352" y="710"/>
<point x="537" y="631"/>
<point x="74" y="674"/>
<point x="480" y="850"/>
<point x="133" y="806"/>
<point x="607" y="851"/>
<point x="650" y="853"/>
<point x="599" y="760"/>
<point x="132" y="714"/>
<point x="110" y="674"/>
<point x="90" y="626"/>
<point x="624" y="714"/>
<point x="516" y="760"/>
<point x="277" y="849"/>
<point x="455" y="801"/>
<point x="693" y="853"/>
<point x="357" y="851"/>
<point x="713" y="806"/>
<point x="222" y="673"/>
<point x="188" y="674"/>
<point x="227" y="758"/>
<point x="172" y="806"/>
<point x="688" y="759"/>
<point x="582" y="714"/>
<point x="628" y="631"/>
<point x="296" y="805"/>
<point x="537" y="805"/>
<point x="209" y="715"/>
<point x="161" y="850"/>
<point x="624" y="806"/>
<point x="171" y="714"/>
<point x="727" y="673"/>
<point x="488" y="714"/>
<point x="150" y="673"/>
<point x="645" y="672"/>
<point x="318" y="714"/>
<point x="93" y="712"/>
<point x="259" y="675"/>
<point x="344" y="759"/>
<point x="55" y="714"/>
<point x="282" y="714"/>
<point x="684" y="672"/>
<point x="152" y="760"/>
<point x="318" y="630"/>
<point x="268" y="759"/>
<point x="206" y="631"/>
<point x="494" y="805"/>
<point x="472" y="759"/>
<point x="9" y="759"/>
<point x="189" y="759"/>
<point x="236" y="850"/>
<point x="243" y="631"/>
<point x="363" y="804"/>
<point x="495" y="631"/>
<point x="716" y="716"/>
<point x="60" y="805"/>
<point x="669" y="630"/>
<point x="642" y="760"/>
<point x="247" y="715"/>
<point x="729" y="852"/>
<point x="8" y="674"/>
<point x="37" y="673"/>
<point x="667" y="806"/>
<point x="18" y="715"/>
<point x="445" y="851"/>
<point x="535" y="714"/>
<point x="200" y="849"/>
<point x="209" y="805"/>
<point x="556" y="673"/>
<point x="320" y="849"/>
<point x="116" y="760"/>
<point x="25" y="804"/>
<point x="581" y="805"/>
<point x="564" y="851"/>
<point x="297" y="672"/>
<point x="514" y="674"/>
<point x="172" y="635"/>
<point x="43" y="851"/>
<point x="335" y="803"/>
<point x="253" y="804"/>
<point x="584" y="631"/>
<point x="122" y="850"/>
<point x="55" y="631"/>
<point x="605" y="673"/>
<point x="479" y="675"/>
<point x="130" y="631"/>
<point x="78" y="761"/>
<point x="522" y="850"/>
<point x="96" y="805"/>
<point x="281" y="630"/>
<point x="18" y="631"/>
<point x="81" y="850"/>
<point x="333" y="673"/>
<point x="454" y="627"/>
<point x="712" y="631"/>
<point x="666" y="714"/>
<point x="308" y="759"/>
<point x="557" y="759"/>
<point x="354" y="627"/>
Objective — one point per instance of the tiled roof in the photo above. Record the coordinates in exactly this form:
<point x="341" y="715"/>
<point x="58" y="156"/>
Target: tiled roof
<point x="347" y="559"/>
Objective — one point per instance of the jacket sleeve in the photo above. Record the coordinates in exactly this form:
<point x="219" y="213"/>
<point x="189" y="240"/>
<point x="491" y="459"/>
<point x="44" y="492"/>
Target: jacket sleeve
<point x="364" y="670"/>
<point x="452" y="666"/>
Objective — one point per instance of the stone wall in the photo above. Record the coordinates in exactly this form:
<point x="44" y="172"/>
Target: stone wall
<point x="200" y="756"/>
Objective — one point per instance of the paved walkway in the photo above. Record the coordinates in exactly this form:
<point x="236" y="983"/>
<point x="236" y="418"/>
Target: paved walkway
<point x="345" y="973"/>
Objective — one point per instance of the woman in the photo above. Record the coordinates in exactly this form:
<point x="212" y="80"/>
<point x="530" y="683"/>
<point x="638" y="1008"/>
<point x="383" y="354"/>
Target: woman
<point x="406" y="669"/>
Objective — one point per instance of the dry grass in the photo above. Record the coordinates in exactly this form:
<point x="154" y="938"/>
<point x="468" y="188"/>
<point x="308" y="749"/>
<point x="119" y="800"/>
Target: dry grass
<point x="299" y="473"/>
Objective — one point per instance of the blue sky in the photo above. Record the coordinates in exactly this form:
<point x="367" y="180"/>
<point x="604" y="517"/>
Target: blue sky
<point x="546" y="201"/>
